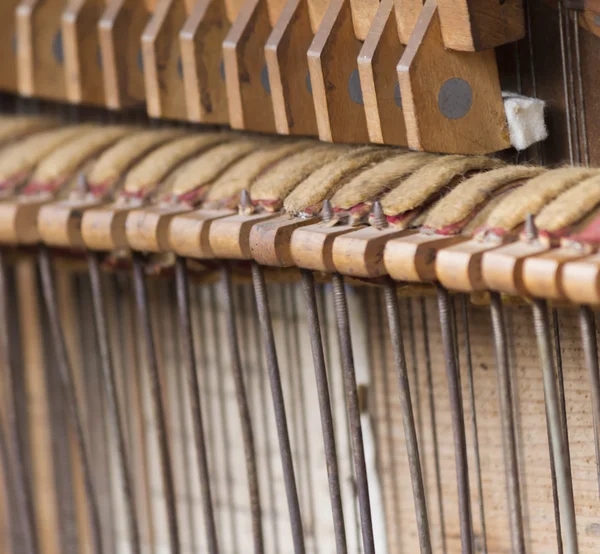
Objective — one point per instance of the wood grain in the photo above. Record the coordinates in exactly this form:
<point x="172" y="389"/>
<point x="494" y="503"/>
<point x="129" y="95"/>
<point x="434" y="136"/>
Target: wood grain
<point x="163" y="73"/>
<point x="332" y="64"/>
<point x="502" y="268"/>
<point x="407" y="15"/>
<point x="81" y="44"/>
<point x="378" y="79"/>
<point x="285" y="54"/>
<point x="360" y="253"/>
<point x="466" y="84"/>
<point x="412" y="258"/>
<point x="474" y="26"/>
<point x="246" y="73"/>
<point x="39" y="49"/>
<point x="8" y="54"/>
<point x="200" y="42"/>
<point x="120" y="29"/>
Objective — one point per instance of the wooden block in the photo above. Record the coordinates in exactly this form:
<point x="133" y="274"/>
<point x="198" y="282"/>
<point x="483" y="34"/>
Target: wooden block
<point x="289" y="80"/>
<point x="379" y="82"/>
<point x="8" y="53"/>
<point x="407" y="15"/>
<point x="40" y="53"/>
<point x="543" y="274"/>
<point x="200" y="41"/>
<point x="189" y="232"/>
<point x="18" y="219"/>
<point x="451" y="100"/>
<point x="163" y="72"/>
<point x="360" y="253"/>
<point x="581" y="280"/>
<point x="502" y="268"/>
<point x="590" y="21"/>
<point x="270" y="240"/>
<point x="81" y="45"/>
<point x="120" y="29"/>
<point x="147" y="229"/>
<point x="59" y="223"/>
<point x="474" y="26"/>
<point x="334" y="77"/>
<point x="104" y="228"/>
<point x="312" y="246"/>
<point x="412" y="258"/>
<point x="246" y="74"/>
<point x="458" y="267"/>
<point x="229" y="237"/>
<point x="363" y="14"/>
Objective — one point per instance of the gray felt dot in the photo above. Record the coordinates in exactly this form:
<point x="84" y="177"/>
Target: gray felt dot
<point x="264" y="79"/>
<point x="57" y="48"/>
<point x="455" y="98"/>
<point x="354" y="89"/>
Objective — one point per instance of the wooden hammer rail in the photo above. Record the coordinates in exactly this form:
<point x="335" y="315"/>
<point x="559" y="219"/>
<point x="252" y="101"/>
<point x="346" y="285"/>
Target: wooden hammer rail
<point x="402" y="72"/>
<point x="197" y="202"/>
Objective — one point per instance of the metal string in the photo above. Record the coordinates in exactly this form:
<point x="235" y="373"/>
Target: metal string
<point x="13" y="449"/>
<point x="65" y="374"/>
<point x="244" y="410"/>
<point x="327" y="426"/>
<point x="264" y="316"/>
<point x="189" y="362"/>
<point x="358" y="453"/>
<point x="508" y="424"/>
<point x="432" y="417"/>
<point x="458" y="423"/>
<point x="166" y="468"/>
<point x="410" y="432"/>
<point x="469" y="360"/>
<point x="564" y="484"/>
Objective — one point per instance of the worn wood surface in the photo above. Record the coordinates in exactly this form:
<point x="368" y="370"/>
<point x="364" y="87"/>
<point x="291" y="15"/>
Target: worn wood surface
<point x="8" y="23"/>
<point x="163" y="72"/>
<point x="200" y="42"/>
<point x="120" y="30"/>
<point x="502" y="268"/>
<point x="246" y="73"/>
<point x="289" y="79"/>
<point x="377" y="61"/>
<point x="81" y="45"/>
<point x="40" y="53"/>
<point x="451" y="100"/>
<point x="475" y="26"/>
<point x="334" y="77"/>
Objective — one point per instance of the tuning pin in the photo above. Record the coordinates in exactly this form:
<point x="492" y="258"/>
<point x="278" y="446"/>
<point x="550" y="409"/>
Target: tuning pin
<point x="530" y="231"/>
<point x="378" y="218"/>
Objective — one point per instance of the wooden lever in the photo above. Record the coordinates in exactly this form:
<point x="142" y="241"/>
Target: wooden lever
<point x="163" y="69"/>
<point x="40" y="52"/>
<point x="202" y="60"/>
<point x="379" y="82"/>
<point x="285" y="54"/>
<point x="8" y="54"/>
<point x="334" y="77"/>
<point x="120" y="29"/>
<point x="452" y="100"/>
<point x="543" y="275"/>
<point x="458" y="267"/>
<point x="246" y="73"/>
<point x="412" y="258"/>
<point x="407" y="15"/>
<point x="81" y="44"/>
<point x="502" y="268"/>
<point x="360" y="253"/>
<point x="474" y="26"/>
<point x="581" y="280"/>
